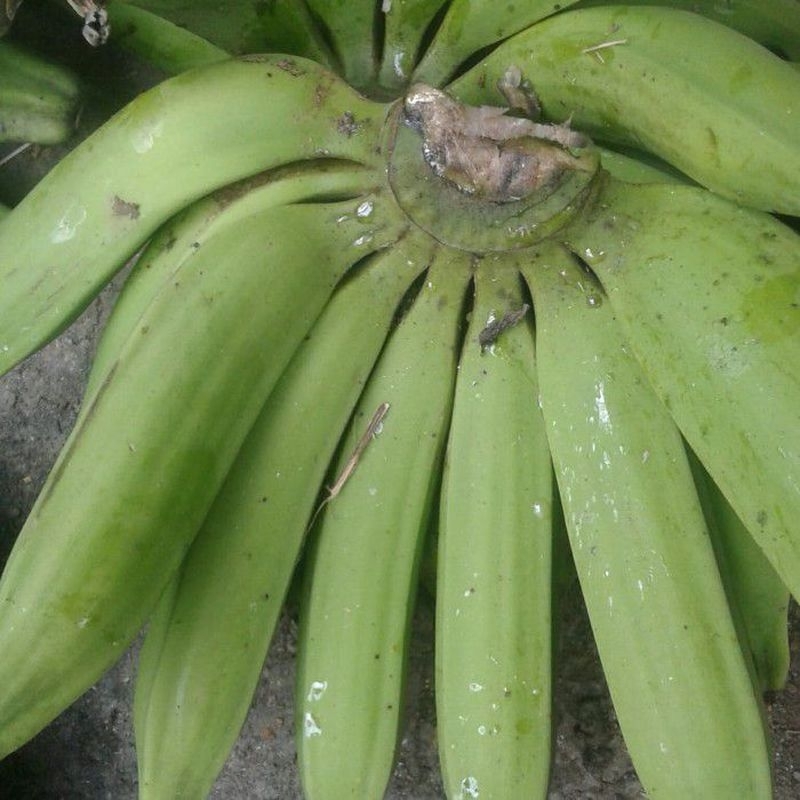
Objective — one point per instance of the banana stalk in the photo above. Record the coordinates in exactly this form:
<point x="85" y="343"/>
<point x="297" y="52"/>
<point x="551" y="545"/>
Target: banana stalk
<point x="494" y="579"/>
<point x="679" y="680"/>
<point x="361" y="575"/>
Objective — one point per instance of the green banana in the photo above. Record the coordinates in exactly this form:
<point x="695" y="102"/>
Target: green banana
<point x="88" y="225"/>
<point x="493" y="584"/>
<point x="727" y="114"/>
<point x="468" y="27"/>
<point x="362" y="571"/>
<point x="39" y="101"/>
<point x="774" y="23"/>
<point x="177" y="241"/>
<point x="405" y="23"/>
<point x="238" y="27"/>
<point x="350" y="27"/>
<point x="638" y="167"/>
<point x="118" y="511"/>
<point x="757" y="596"/>
<point x="167" y="46"/>
<point x="657" y="605"/>
<point x="206" y="644"/>
<point x="709" y="296"/>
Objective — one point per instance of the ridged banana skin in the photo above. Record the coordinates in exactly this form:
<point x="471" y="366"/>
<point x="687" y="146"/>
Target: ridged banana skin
<point x="638" y="168"/>
<point x="678" y="678"/>
<point x="350" y="26"/>
<point x="708" y="100"/>
<point x="136" y="478"/>
<point x="159" y="41"/>
<point x="405" y="26"/>
<point x="204" y="651"/>
<point x="493" y="585"/>
<point x="469" y="27"/>
<point x="39" y="101"/>
<point x="756" y="594"/>
<point x="186" y="137"/>
<point x="179" y="238"/>
<point x="362" y="570"/>
<point x="775" y="24"/>
<point x="709" y="296"/>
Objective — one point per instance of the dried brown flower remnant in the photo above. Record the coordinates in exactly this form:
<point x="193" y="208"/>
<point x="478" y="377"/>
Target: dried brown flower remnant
<point x="486" y="153"/>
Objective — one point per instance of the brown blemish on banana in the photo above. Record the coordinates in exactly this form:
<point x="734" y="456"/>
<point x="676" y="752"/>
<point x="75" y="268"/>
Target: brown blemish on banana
<point x="486" y="153"/>
<point x="494" y="327"/>
<point x="124" y="208"/>
<point x="347" y="125"/>
<point x="290" y="66"/>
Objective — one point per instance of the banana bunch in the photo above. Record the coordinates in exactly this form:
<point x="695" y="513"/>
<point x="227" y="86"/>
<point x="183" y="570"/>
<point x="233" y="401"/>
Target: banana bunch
<point x="373" y="314"/>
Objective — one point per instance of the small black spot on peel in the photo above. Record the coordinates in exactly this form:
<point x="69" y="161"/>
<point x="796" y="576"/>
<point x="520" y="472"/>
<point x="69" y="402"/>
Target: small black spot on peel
<point x="124" y="208"/>
<point x="761" y="518"/>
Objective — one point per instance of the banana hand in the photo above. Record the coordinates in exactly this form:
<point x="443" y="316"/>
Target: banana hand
<point x="657" y="605"/>
<point x="708" y="295"/>
<point x="116" y="497"/>
<point x="206" y="644"/>
<point x="239" y="117"/>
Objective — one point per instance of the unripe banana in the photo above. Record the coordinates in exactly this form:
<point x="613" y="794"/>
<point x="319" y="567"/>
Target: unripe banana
<point x="162" y="43"/>
<point x="181" y="140"/>
<point x="707" y="293"/>
<point x="179" y="239"/>
<point x="758" y="597"/>
<point x="405" y="25"/>
<point x="468" y="27"/>
<point x="362" y="570"/>
<point x="773" y="23"/>
<point x="678" y="678"/>
<point x="638" y="167"/>
<point x="494" y="578"/>
<point x="713" y="103"/>
<point x="39" y="101"/>
<point x="236" y="27"/>
<point x="139" y="472"/>
<point x="350" y="26"/>
<point x="206" y="644"/>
